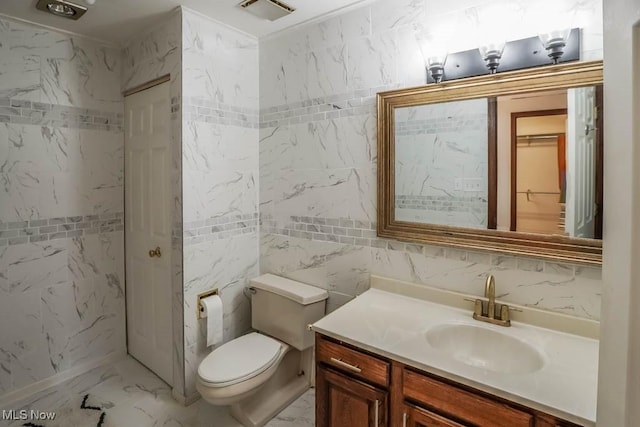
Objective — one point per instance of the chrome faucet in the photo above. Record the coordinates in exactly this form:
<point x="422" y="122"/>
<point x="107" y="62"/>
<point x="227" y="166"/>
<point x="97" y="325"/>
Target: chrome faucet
<point x="489" y="315"/>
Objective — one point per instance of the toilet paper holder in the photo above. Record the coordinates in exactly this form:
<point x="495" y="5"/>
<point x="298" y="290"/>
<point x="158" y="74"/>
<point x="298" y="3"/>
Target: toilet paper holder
<point x="199" y="306"/>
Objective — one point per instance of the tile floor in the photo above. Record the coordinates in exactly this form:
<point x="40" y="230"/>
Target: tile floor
<point x="130" y="395"/>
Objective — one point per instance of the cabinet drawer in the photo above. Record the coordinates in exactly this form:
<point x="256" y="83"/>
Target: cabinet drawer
<point x="462" y="404"/>
<point x="353" y="362"/>
<point x="544" y="420"/>
<point x="419" y="417"/>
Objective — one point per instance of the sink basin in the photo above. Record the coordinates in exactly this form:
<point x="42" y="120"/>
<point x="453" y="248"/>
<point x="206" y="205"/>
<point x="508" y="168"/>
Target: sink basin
<point x="485" y="348"/>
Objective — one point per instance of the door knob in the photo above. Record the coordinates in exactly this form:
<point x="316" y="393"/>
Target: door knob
<point x="155" y="252"/>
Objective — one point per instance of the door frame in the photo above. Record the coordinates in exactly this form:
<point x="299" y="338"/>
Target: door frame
<point x="514" y="154"/>
<point x="599" y="161"/>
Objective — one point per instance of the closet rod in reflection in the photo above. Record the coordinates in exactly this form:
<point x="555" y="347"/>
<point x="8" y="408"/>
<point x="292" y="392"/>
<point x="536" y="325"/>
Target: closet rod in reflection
<point x="545" y="136"/>
<point x="529" y="193"/>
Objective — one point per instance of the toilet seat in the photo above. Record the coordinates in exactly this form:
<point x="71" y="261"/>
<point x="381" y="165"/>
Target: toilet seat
<point x="239" y="360"/>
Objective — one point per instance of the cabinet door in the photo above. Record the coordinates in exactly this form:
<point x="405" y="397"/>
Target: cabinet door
<point x="417" y="417"/>
<point x="342" y="401"/>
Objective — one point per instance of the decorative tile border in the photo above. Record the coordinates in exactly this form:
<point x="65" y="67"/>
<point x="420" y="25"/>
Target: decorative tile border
<point x="467" y="122"/>
<point x="205" y="110"/>
<point x="476" y="204"/>
<point x="39" y="230"/>
<point x="338" y="230"/>
<point x="219" y="228"/>
<point x="363" y="233"/>
<point x="348" y="104"/>
<point x="43" y="114"/>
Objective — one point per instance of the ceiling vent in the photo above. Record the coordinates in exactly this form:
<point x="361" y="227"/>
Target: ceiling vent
<point x="267" y="9"/>
<point x="61" y="8"/>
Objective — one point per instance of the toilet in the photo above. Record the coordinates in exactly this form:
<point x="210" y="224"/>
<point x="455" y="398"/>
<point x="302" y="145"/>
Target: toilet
<point x="261" y="373"/>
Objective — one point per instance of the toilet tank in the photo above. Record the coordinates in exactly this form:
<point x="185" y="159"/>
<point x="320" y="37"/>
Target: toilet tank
<point x="283" y="308"/>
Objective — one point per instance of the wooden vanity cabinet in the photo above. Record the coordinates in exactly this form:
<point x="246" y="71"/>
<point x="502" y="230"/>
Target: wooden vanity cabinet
<point x="357" y="388"/>
<point x="352" y="386"/>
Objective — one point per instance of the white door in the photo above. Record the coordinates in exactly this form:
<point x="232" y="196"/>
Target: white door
<point x="581" y="163"/>
<point x="148" y="229"/>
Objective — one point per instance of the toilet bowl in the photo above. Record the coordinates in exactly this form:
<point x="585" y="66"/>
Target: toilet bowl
<point x="260" y="373"/>
<point x="239" y="368"/>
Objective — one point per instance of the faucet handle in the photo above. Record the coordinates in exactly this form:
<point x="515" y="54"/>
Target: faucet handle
<point x="477" y="307"/>
<point x="504" y="314"/>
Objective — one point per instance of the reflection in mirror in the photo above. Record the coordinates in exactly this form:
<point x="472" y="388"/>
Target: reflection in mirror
<point x="441" y="169"/>
<point x="548" y="165"/>
<point x="540" y="172"/>
<point x="556" y="162"/>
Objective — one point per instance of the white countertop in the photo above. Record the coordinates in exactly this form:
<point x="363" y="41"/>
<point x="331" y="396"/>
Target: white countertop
<point x="394" y="326"/>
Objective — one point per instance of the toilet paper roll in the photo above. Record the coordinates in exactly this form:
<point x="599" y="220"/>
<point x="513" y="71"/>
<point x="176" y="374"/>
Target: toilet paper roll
<point x="213" y="313"/>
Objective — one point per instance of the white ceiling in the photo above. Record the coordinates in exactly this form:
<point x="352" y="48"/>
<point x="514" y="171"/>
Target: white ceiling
<point x="116" y="21"/>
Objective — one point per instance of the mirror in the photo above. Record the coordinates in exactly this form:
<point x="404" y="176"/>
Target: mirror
<point x="509" y="162"/>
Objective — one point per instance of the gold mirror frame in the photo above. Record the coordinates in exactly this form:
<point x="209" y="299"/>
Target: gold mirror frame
<point x="558" y="248"/>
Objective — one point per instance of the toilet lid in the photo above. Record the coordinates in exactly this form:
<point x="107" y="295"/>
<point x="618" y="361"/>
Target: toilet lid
<point x="239" y="359"/>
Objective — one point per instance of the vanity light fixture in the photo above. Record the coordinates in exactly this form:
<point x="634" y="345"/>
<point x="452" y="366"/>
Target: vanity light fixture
<point x="491" y="53"/>
<point x="494" y="56"/>
<point x="62" y="8"/>
<point x="554" y="42"/>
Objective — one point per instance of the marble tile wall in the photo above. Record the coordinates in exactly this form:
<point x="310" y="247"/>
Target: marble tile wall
<point x="219" y="228"/>
<point x="318" y="151"/>
<point x="157" y="52"/>
<point x="61" y="204"/>
<point x="220" y="177"/>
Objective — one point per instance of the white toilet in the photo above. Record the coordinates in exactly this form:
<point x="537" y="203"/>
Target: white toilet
<point x="260" y="373"/>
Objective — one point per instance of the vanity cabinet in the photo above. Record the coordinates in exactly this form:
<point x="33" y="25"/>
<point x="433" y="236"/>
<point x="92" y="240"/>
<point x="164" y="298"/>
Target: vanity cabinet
<point x="351" y="387"/>
<point x="358" y="388"/>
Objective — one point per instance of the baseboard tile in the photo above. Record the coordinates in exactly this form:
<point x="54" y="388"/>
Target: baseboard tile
<point x="12" y="397"/>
